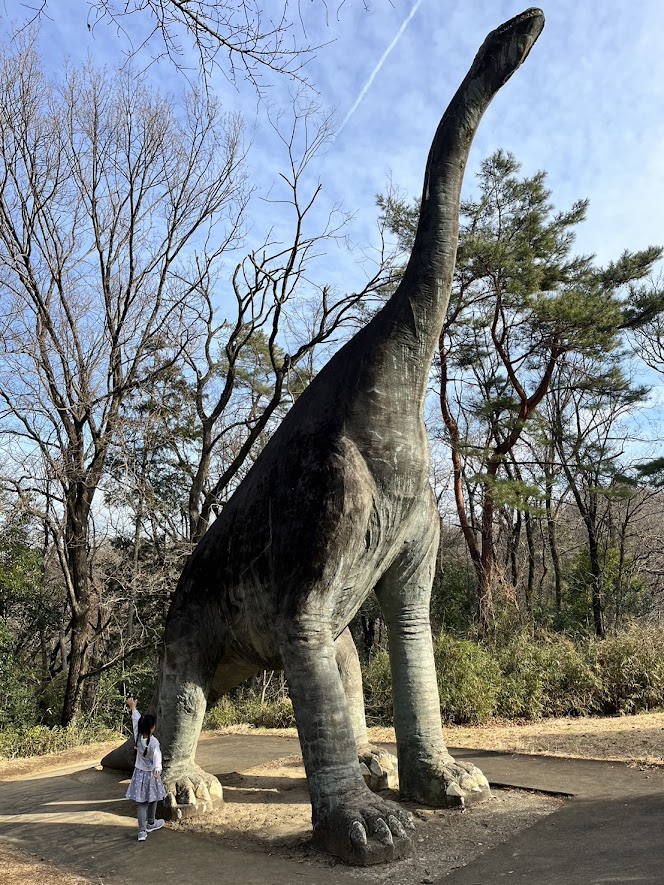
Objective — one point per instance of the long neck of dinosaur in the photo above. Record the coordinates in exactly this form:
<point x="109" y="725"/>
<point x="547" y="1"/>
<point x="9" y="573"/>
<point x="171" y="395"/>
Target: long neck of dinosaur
<point x="416" y="311"/>
<point x="420" y="302"/>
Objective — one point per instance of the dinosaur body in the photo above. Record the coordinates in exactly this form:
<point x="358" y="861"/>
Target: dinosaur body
<point x="339" y="504"/>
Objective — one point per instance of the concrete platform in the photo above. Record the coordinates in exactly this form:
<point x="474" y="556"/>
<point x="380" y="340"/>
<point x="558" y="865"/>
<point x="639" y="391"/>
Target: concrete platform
<point x="610" y="832"/>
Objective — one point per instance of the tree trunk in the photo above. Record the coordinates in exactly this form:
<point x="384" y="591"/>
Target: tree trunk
<point x="368" y="633"/>
<point x="134" y="587"/>
<point x="76" y="534"/>
<point x="62" y="642"/>
<point x="80" y="636"/>
<point x="555" y="555"/>
<point x="487" y="555"/>
<point x="514" y="541"/>
<point x="198" y="521"/>
<point x="596" y="582"/>
<point x="484" y="603"/>
<point x="530" y="582"/>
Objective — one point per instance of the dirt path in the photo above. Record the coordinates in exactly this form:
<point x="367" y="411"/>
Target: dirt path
<point x="267" y="811"/>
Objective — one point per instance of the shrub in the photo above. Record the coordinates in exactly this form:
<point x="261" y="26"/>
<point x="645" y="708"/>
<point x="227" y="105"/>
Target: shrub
<point x="453" y="596"/>
<point x="544" y="677"/>
<point x="223" y="714"/>
<point x="469" y="680"/>
<point x="249" y="711"/>
<point x="377" y="684"/>
<point x="630" y="670"/>
<point x="276" y="714"/>
<point x="522" y="689"/>
<point x="19" y="686"/>
<point x="572" y="681"/>
<point x="468" y="683"/>
<point x="520" y="678"/>
<point x="40" y="740"/>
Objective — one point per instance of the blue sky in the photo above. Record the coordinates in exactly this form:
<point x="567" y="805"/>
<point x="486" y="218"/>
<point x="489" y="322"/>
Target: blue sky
<point x="588" y="105"/>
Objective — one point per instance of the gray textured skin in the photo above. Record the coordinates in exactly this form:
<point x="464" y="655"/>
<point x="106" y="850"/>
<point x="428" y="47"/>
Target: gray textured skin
<point x="337" y="505"/>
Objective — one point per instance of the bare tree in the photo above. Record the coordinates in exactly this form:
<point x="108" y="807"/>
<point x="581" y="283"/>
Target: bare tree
<point x="585" y="408"/>
<point x="244" y="39"/>
<point x="279" y="305"/>
<point x="105" y="190"/>
<point x="245" y="365"/>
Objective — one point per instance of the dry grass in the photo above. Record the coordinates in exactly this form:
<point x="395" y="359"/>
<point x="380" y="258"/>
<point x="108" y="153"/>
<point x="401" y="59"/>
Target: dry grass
<point x="631" y="739"/>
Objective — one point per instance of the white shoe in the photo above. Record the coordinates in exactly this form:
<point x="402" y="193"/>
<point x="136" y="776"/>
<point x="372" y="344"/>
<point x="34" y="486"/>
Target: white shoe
<point x="157" y="825"/>
<point x="142" y="835"/>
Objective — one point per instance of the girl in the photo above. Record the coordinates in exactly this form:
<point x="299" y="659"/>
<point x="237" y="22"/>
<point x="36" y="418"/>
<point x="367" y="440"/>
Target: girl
<point x="146" y="788"/>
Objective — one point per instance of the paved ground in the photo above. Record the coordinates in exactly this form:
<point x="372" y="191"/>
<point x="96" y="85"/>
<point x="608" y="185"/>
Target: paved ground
<point x="611" y="831"/>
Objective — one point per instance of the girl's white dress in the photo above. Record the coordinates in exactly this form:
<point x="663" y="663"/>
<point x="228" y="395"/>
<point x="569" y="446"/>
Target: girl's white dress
<point x="144" y="786"/>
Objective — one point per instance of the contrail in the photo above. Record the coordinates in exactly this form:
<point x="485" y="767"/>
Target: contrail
<point x="380" y="64"/>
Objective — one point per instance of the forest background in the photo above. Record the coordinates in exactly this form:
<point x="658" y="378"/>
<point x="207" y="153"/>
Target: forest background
<point x="174" y="270"/>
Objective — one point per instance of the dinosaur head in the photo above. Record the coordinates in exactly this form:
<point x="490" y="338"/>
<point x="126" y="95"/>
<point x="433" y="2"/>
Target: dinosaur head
<point x="506" y="48"/>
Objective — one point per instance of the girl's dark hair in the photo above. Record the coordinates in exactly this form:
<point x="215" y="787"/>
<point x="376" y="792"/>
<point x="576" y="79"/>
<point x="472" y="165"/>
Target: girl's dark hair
<point x="145" y="725"/>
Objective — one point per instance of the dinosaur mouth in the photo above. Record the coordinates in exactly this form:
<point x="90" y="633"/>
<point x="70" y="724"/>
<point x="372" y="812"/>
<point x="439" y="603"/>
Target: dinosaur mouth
<point x="508" y="46"/>
<point x="533" y="12"/>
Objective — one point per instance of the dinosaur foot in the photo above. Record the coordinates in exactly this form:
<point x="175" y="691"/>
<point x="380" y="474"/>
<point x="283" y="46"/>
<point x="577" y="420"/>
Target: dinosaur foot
<point x="379" y="768"/>
<point x="189" y="791"/>
<point x="447" y="784"/>
<point x="362" y="828"/>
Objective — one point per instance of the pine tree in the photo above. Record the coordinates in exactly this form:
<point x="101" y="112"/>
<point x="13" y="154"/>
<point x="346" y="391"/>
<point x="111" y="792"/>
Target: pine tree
<point x="521" y="301"/>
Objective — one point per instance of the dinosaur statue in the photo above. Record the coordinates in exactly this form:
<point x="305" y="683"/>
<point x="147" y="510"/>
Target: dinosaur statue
<point x="339" y="504"/>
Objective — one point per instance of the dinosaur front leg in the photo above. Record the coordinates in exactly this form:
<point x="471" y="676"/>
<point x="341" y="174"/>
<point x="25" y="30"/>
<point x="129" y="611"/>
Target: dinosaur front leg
<point x="379" y="768"/>
<point x="179" y="704"/>
<point x="348" y="820"/>
<point x="186" y="669"/>
<point x="427" y="772"/>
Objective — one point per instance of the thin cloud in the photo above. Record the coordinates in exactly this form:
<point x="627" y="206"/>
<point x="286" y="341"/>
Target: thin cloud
<point x="380" y="64"/>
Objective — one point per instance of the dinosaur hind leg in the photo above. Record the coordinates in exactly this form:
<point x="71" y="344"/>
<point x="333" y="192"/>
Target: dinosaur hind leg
<point x="350" y="672"/>
<point x="378" y="767"/>
<point x="427" y="772"/>
<point x="348" y="819"/>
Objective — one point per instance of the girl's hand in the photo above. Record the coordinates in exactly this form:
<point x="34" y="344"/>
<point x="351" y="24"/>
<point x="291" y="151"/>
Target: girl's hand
<point x="131" y="703"/>
<point x="156" y="774"/>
